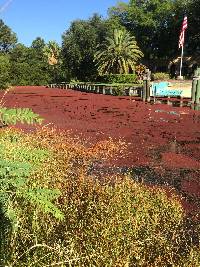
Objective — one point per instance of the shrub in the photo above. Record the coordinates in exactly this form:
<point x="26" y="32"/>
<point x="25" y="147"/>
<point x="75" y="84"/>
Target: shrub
<point x="15" y="115"/>
<point x="4" y="71"/>
<point x="140" y="71"/>
<point x="18" y="162"/>
<point x="119" y="78"/>
<point x="119" y="90"/>
<point x="161" y="76"/>
<point x="109" y="220"/>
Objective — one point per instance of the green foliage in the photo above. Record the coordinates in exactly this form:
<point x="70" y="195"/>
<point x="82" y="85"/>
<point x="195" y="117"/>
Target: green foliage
<point x="156" y="24"/>
<point x="119" y="78"/>
<point x="140" y="71"/>
<point x="14" y="184"/>
<point x="193" y="37"/>
<point x="22" y="115"/>
<point x="52" y="55"/>
<point x="18" y="190"/>
<point x="4" y="71"/>
<point x="79" y="46"/>
<point x="28" y="65"/>
<point x="7" y="38"/>
<point x="20" y="71"/>
<point x="38" y="44"/>
<point x="162" y="76"/>
<point x="118" y="54"/>
<point x="40" y="73"/>
<point x="52" y="52"/>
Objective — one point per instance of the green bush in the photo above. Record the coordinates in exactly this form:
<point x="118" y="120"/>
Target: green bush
<point x="18" y="162"/>
<point x="118" y="91"/>
<point x="162" y="76"/>
<point x="16" y="115"/>
<point x="4" y="71"/>
<point x="111" y="222"/>
<point x="119" y="78"/>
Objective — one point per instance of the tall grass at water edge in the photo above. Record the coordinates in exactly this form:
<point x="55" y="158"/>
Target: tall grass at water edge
<point x="109" y="222"/>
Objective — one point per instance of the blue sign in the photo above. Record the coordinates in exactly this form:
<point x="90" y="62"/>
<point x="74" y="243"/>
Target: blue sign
<point x="161" y="89"/>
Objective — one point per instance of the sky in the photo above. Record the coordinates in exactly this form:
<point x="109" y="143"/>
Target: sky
<point x="48" y="18"/>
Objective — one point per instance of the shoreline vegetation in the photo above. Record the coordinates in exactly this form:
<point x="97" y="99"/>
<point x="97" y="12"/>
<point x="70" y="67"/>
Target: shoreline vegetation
<point x="79" y="220"/>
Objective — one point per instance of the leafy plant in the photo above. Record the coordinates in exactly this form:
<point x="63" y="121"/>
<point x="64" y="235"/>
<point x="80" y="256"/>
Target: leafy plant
<point x="162" y="76"/>
<point x="4" y="70"/>
<point x="119" y="78"/>
<point x="7" y="38"/>
<point x="79" y="45"/>
<point x="118" y="54"/>
<point x="28" y="65"/>
<point x="140" y="70"/>
<point x="23" y="115"/>
<point x="52" y="52"/>
<point x="18" y="161"/>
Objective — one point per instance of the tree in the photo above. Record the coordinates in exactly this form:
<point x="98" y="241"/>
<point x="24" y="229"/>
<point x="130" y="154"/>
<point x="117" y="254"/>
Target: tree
<point x="40" y="69"/>
<point x="37" y="48"/>
<point x="38" y="44"/>
<point x="79" y="46"/>
<point x="118" y="54"/>
<point x="78" y="49"/>
<point x="52" y="52"/>
<point x="193" y="34"/>
<point x="28" y="65"/>
<point x="20" y="65"/>
<point x="155" y="24"/>
<point x="4" y="71"/>
<point x="7" y="38"/>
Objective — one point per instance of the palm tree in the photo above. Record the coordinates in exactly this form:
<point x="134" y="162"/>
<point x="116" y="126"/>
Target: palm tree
<point x="52" y="52"/>
<point x="118" y="54"/>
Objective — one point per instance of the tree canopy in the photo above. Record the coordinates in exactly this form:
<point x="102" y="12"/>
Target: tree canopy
<point x="7" y="38"/>
<point x="28" y="65"/>
<point x="52" y="52"/>
<point x="155" y="25"/>
<point x="118" y="54"/>
<point x="79" y="46"/>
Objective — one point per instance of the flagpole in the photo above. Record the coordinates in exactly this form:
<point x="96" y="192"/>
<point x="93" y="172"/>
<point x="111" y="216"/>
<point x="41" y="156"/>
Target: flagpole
<point x="181" y="65"/>
<point x="181" y="43"/>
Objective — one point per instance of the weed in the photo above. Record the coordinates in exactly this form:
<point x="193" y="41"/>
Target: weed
<point x="114" y="222"/>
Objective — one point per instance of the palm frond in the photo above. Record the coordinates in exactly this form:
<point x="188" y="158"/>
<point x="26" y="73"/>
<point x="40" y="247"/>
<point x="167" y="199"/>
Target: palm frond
<point x="118" y="54"/>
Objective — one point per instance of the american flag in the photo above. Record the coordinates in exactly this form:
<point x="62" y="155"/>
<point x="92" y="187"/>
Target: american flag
<point x="182" y="34"/>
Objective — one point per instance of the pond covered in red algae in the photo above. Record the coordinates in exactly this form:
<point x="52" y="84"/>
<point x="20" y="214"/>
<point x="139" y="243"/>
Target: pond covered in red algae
<point x="163" y="140"/>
